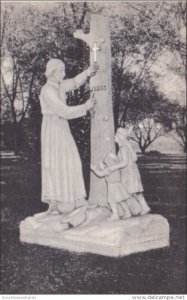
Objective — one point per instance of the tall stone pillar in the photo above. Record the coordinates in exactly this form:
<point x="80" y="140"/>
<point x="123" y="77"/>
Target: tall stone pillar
<point x="102" y="123"/>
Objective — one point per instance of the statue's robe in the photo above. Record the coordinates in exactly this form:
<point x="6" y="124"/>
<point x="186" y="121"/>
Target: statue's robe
<point x="62" y="177"/>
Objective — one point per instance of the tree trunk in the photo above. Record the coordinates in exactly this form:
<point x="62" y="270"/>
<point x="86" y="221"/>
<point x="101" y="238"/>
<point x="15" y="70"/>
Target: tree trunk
<point x="185" y="147"/>
<point x="116" y="113"/>
<point x="142" y="148"/>
<point x="16" y="139"/>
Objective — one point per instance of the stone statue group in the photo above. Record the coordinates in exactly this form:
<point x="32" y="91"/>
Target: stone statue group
<point x="104" y="224"/>
<point x="62" y="178"/>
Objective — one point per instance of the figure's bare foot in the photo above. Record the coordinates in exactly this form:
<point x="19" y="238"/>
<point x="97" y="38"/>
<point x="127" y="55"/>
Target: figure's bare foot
<point x="53" y="208"/>
<point x="145" y="211"/>
<point x="76" y="212"/>
<point x="113" y="218"/>
<point x="127" y="216"/>
<point x="92" y="206"/>
<point x="82" y="202"/>
<point x="53" y="211"/>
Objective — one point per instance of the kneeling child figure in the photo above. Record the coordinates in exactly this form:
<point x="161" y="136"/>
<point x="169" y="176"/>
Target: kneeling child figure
<point x="116" y="192"/>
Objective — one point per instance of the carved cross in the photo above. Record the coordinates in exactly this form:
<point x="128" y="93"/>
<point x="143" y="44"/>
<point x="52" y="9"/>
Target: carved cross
<point x="95" y="49"/>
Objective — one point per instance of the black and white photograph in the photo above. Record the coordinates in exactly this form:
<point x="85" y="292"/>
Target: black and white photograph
<point x="93" y="148"/>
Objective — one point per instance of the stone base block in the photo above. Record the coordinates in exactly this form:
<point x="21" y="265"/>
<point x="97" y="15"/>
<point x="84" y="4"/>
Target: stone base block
<point x="97" y="234"/>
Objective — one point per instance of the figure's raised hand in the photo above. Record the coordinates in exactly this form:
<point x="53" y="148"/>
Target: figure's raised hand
<point x="92" y="70"/>
<point x="90" y="103"/>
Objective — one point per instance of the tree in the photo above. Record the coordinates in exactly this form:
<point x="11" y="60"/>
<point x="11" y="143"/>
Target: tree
<point x="140" y="36"/>
<point x="180" y="126"/>
<point x="146" y="132"/>
<point x="151" y="115"/>
<point x="166" y="22"/>
<point x="18" y="71"/>
<point x="17" y="91"/>
<point x="28" y="51"/>
<point x="134" y="53"/>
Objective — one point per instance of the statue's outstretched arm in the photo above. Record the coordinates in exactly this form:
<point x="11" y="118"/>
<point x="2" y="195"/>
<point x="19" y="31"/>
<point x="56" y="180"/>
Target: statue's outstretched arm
<point x="74" y="83"/>
<point x="62" y="110"/>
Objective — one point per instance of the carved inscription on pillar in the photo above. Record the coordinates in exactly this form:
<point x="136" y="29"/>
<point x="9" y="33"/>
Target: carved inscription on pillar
<point x="98" y="88"/>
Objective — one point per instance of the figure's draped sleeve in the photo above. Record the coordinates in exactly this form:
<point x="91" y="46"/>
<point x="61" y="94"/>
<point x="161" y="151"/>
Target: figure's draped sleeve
<point x="52" y="99"/>
<point x="74" y="83"/>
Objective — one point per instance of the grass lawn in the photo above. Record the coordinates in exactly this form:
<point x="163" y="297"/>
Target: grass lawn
<point x="34" y="269"/>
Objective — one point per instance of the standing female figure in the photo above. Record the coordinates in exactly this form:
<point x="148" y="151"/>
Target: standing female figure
<point x="62" y="178"/>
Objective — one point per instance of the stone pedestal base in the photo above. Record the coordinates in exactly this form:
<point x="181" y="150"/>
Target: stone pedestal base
<point x="96" y="234"/>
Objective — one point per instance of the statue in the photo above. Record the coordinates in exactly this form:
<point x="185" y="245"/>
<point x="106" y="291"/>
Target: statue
<point x="117" y="194"/>
<point x="130" y="176"/>
<point x="105" y="224"/>
<point x="62" y="179"/>
<point x="125" y="190"/>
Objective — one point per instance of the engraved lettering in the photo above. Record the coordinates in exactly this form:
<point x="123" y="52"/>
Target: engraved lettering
<point x="98" y="88"/>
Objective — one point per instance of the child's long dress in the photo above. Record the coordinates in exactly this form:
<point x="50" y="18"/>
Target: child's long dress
<point x="116" y="191"/>
<point x="130" y="176"/>
<point x="62" y="177"/>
